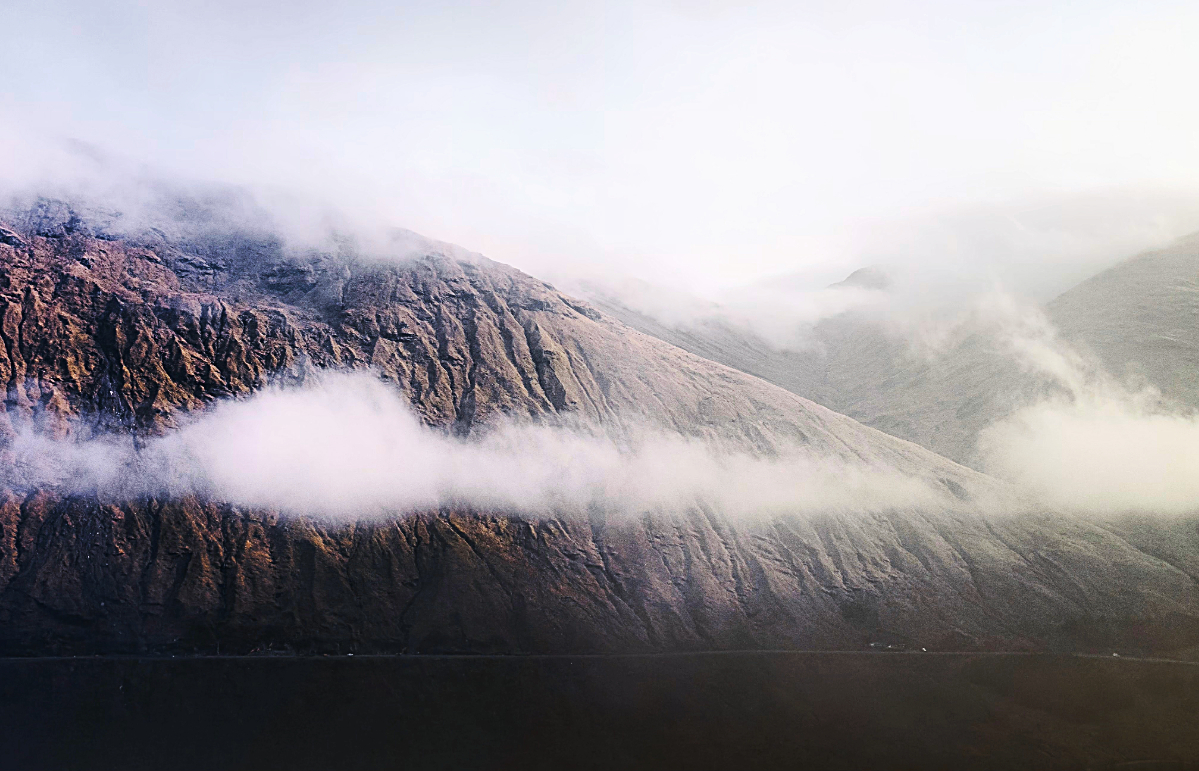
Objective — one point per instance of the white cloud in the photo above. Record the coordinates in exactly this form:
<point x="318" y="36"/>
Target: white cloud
<point x="1098" y="454"/>
<point x="347" y="445"/>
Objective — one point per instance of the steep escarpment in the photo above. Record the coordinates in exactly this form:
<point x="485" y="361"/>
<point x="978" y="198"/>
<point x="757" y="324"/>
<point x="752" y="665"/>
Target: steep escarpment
<point x="130" y="331"/>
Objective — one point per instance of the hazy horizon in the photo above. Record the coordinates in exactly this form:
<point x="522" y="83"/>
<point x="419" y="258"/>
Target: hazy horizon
<point x="702" y="147"/>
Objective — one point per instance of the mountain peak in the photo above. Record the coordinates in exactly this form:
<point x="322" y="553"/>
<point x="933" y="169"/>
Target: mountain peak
<point x="870" y="277"/>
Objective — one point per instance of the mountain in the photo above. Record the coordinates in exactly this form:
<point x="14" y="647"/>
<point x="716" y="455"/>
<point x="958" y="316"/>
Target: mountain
<point x="132" y="330"/>
<point x="1141" y="317"/>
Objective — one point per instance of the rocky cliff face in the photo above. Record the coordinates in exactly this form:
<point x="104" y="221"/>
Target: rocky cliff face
<point x="131" y="331"/>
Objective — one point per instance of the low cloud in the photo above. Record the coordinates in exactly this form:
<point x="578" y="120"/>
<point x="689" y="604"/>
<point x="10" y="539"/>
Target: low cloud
<point x="1095" y="444"/>
<point x="73" y="185"/>
<point x="348" y="445"/>
<point x="1099" y="454"/>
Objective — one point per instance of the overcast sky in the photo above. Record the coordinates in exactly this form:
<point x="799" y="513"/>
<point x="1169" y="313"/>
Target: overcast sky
<point x="703" y="143"/>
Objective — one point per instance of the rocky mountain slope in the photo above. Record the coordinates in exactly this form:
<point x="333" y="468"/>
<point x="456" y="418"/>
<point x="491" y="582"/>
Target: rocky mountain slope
<point x="129" y="330"/>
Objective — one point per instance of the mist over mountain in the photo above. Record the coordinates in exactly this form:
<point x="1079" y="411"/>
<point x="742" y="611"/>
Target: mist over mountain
<point x="118" y="341"/>
<point x="940" y="381"/>
<point x="618" y="385"/>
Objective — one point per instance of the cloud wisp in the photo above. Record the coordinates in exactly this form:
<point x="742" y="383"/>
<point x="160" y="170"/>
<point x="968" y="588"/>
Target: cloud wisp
<point x="347" y="445"/>
<point x="1097" y="445"/>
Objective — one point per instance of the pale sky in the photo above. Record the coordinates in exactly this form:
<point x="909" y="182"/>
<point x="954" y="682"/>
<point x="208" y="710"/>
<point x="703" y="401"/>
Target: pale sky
<point x="704" y="143"/>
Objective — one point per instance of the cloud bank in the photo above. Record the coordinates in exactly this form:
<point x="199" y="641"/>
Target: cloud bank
<point x="348" y="445"/>
<point x="1099" y="454"/>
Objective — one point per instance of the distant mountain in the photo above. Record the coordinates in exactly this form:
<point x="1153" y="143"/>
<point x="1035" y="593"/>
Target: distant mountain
<point x="873" y="277"/>
<point x="1140" y="317"/>
<point x="134" y="329"/>
<point x="854" y="364"/>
